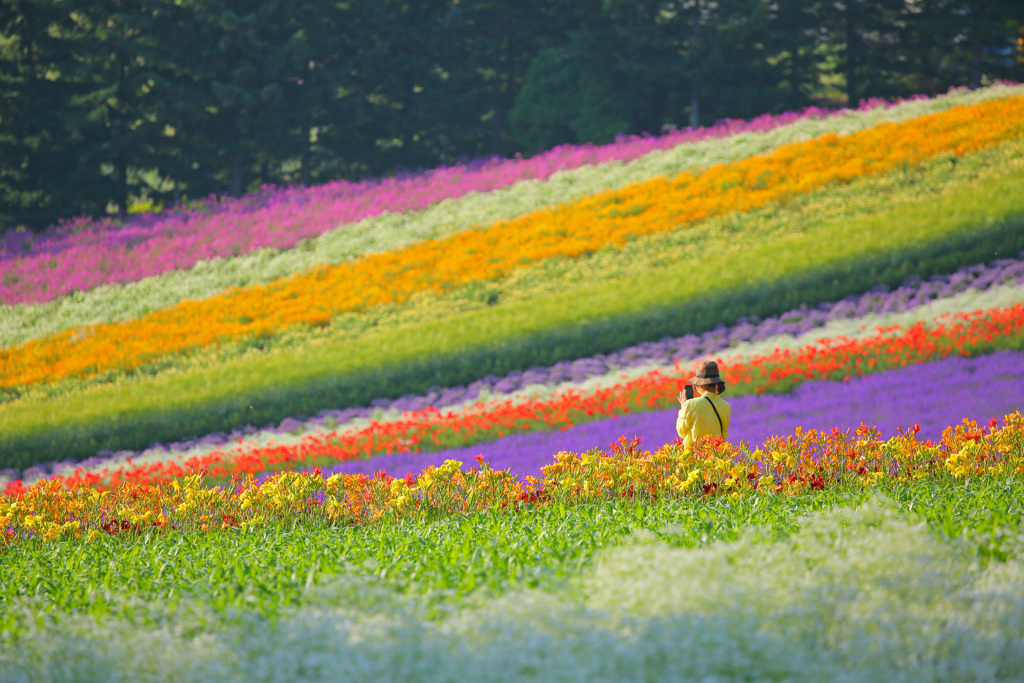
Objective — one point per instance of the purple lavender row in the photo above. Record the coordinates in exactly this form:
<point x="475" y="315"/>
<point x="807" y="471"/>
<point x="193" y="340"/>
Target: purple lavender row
<point x="935" y="395"/>
<point x="85" y="253"/>
<point x="911" y="294"/>
<point x="914" y="292"/>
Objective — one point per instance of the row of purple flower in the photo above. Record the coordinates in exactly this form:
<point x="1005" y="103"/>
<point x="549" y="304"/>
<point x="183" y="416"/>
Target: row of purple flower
<point x="933" y="395"/>
<point x="910" y="295"/>
<point x="86" y="253"/>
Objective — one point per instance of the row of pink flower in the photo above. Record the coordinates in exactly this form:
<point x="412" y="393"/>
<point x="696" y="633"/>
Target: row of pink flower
<point x="84" y="253"/>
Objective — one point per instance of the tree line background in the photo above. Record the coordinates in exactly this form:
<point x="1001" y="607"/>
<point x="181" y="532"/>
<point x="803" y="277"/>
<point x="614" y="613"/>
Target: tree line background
<point x="112" y="105"/>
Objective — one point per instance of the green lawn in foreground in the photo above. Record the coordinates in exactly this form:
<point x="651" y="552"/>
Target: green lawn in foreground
<point x="149" y="580"/>
<point x="924" y="578"/>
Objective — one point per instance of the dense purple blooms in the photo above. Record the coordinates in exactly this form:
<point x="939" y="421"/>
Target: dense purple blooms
<point x="934" y="395"/>
<point x="83" y="254"/>
<point x="911" y="294"/>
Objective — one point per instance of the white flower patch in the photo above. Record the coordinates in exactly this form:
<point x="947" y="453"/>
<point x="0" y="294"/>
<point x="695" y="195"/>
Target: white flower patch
<point x="854" y="328"/>
<point x="115" y="303"/>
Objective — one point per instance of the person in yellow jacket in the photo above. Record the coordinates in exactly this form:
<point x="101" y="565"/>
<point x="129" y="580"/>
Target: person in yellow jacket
<point x="706" y="413"/>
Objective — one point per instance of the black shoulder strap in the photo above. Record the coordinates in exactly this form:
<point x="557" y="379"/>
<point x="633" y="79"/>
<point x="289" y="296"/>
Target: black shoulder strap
<point x="721" y="429"/>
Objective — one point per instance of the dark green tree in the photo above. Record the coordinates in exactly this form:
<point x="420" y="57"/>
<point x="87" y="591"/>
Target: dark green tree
<point x="991" y="34"/>
<point x="487" y="52"/>
<point x="253" y="84"/>
<point x="619" y="72"/>
<point x="104" y="101"/>
<point x="40" y="131"/>
<point x="122" y="69"/>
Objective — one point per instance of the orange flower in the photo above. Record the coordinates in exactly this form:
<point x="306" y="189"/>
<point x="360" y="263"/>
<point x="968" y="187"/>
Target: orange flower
<point x="609" y="218"/>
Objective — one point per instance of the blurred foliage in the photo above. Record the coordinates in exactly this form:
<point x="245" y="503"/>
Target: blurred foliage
<point x="447" y="563"/>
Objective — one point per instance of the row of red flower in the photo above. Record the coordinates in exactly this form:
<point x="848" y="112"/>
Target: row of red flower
<point x="838" y="358"/>
<point x="794" y="465"/>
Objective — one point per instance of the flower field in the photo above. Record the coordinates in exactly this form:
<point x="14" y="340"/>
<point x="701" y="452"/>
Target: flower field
<point x="610" y="218"/>
<point x="422" y="428"/>
<point x="79" y="258"/>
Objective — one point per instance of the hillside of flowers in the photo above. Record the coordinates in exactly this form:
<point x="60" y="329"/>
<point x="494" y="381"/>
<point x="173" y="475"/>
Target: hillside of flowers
<point x="83" y="255"/>
<point x="112" y="386"/>
<point x="422" y="428"/>
<point x="608" y="218"/>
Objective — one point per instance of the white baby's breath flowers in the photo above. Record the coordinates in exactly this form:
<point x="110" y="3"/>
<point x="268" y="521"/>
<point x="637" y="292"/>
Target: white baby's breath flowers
<point x="115" y="303"/>
<point x="854" y="594"/>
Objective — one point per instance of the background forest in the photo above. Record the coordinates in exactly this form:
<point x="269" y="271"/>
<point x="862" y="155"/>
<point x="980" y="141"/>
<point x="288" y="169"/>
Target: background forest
<point x="114" y="106"/>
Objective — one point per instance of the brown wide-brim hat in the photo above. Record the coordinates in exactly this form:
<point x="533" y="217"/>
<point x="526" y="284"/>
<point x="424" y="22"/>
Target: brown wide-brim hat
<point x="707" y="373"/>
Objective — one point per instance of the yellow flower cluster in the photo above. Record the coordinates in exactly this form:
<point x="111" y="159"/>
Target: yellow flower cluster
<point x="789" y="466"/>
<point x="608" y="219"/>
<point x="977" y="454"/>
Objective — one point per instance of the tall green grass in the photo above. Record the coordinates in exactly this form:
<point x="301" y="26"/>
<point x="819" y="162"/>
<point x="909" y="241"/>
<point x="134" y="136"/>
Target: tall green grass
<point x="831" y="260"/>
<point x="905" y="582"/>
<point x="153" y="578"/>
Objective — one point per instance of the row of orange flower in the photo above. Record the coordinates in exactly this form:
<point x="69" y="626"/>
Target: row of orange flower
<point x="788" y="466"/>
<point x="840" y="357"/>
<point x="609" y="218"/>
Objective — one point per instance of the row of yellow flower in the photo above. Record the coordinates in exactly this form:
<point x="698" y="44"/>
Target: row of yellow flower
<point x="787" y="466"/>
<point x="609" y="218"/>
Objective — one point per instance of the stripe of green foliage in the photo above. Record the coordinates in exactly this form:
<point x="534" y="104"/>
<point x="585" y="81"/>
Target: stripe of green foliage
<point x="797" y="214"/>
<point x="975" y="224"/>
<point x="198" y="583"/>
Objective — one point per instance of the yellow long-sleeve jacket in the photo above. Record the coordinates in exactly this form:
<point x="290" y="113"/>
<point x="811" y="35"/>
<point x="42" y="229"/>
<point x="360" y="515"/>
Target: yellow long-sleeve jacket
<point x="697" y="418"/>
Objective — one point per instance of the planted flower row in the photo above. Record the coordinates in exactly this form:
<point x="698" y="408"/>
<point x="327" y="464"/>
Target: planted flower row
<point x="959" y="334"/>
<point x="795" y="465"/>
<point x="112" y="303"/>
<point x="438" y="265"/>
<point x="84" y="254"/>
<point x="278" y="218"/>
<point x="931" y="395"/>
<point x="606" y="368"/>
<point x="917" y="212"/>
<point x="71" y="420"/>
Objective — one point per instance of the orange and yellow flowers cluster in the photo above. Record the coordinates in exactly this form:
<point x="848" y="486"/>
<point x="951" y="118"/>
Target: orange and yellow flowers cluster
<point x="607" y="219"/>
<point x="793" y="465"/>
<point x="959" y="334"/>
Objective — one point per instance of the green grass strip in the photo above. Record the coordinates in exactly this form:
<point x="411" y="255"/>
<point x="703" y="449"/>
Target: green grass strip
<point x="445" y="564"/>
<point x="975" y="224"/>
<point x="862" y="589"/>
<point x="797" y="214"/>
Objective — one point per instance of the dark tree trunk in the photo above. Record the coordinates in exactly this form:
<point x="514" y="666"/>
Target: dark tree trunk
<point x="926" y="26"/>
<point x="852" y="56"/>
<point x="122" y="188"/>
<point x="694" y="89"/>
<point x="235" y="176"/>
<point x="974" y="77"/>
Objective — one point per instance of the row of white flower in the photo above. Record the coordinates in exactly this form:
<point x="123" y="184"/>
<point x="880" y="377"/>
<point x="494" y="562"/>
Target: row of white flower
<point x="113" y="303"/>
<point x="851" y="328"/>
<point x="852" y="594"/>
